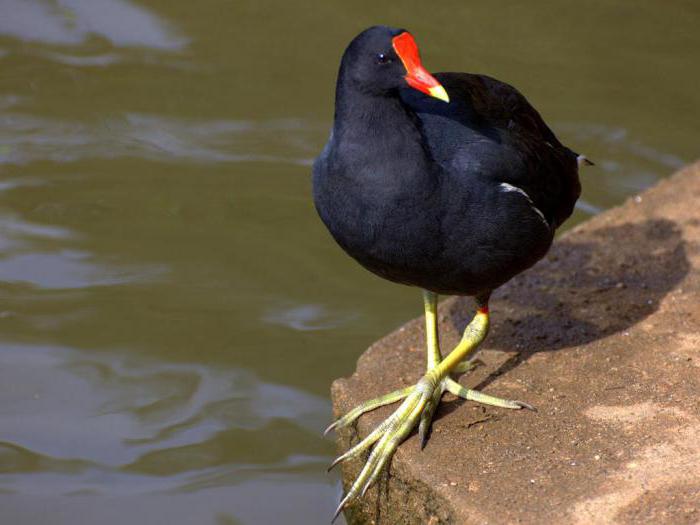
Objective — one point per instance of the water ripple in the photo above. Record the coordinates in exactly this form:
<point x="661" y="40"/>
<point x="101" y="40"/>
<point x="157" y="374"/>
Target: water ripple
<point x="29" y="256"/>
<point x="106" y="418"/>
<point x="27" y="138"/>
<point x="307" y="317"/>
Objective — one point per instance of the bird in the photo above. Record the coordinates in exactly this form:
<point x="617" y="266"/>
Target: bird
<point x="451" y="183"/>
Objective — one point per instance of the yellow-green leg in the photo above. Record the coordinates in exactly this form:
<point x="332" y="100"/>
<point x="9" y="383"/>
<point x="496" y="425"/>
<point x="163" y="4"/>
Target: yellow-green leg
<point x="419" y="401"/>
<point x="432" y="343"/>
<point x="430" y="300"/>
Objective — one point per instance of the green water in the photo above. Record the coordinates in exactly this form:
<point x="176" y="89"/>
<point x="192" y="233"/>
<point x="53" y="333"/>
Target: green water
<point x="172" y="311"/>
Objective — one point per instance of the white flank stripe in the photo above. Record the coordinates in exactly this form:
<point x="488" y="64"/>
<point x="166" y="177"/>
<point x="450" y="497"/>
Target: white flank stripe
<point x="510" y="187"/>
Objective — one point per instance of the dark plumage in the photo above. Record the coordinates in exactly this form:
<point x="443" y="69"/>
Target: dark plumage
<point x="452" y="183"/>
<point x="412" y="187"/>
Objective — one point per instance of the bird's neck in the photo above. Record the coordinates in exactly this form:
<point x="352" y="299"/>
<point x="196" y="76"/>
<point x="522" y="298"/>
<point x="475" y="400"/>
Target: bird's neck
<point x="381" y="135"/>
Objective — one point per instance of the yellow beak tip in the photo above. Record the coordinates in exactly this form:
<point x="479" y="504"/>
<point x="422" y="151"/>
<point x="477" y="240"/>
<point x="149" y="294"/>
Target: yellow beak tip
<point x="440" y="93"/>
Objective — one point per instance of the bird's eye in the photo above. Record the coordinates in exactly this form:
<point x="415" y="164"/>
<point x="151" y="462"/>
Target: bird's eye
<point x="383" y="59"/>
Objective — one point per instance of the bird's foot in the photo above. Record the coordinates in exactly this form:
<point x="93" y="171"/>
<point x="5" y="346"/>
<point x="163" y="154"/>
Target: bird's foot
<point x="418" y="400"/>
<point x="418" y="407"/>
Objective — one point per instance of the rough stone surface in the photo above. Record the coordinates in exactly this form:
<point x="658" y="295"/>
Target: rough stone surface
<point x="603" y="336"/>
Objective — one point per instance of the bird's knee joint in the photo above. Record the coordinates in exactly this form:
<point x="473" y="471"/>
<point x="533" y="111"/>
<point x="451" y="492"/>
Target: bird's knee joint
<point x="427" y="383"/>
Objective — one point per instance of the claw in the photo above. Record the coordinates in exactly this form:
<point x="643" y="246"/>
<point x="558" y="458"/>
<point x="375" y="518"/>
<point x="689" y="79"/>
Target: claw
<point x="526" y="405"/>
<point x="340" y="508"/>
<point x="367" y="442"/>
<point x="331" y="427"/>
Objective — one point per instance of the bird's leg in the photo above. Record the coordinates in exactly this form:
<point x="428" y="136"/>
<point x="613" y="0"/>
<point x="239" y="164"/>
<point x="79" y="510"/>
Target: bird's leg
<point x="431" y="337"/>
<point x="432" y="343"/>
<point x="432" y="359"/>
<point x="419" y="400"/>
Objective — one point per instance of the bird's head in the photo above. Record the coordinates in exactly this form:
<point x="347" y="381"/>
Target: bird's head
<point x="382" y="60"/>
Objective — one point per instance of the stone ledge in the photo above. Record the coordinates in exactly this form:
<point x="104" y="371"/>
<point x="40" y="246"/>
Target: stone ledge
<point x="603" y="336"/>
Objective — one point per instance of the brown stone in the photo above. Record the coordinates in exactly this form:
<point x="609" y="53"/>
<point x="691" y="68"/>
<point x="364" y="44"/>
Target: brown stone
<point x="603" y="337"/>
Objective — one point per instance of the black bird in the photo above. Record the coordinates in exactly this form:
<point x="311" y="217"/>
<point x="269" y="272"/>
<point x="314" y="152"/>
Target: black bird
<point x="452" y="183"/>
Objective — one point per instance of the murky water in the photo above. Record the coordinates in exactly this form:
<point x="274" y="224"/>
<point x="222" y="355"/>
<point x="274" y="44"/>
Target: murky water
<point x="172" y="310"/>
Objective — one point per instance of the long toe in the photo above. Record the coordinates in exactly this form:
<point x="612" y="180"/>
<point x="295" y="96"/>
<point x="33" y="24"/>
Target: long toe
<point x="390" y="434"/>
<point x="368" y="406"/>
<point x="426" y="417"/>
<point x="453" y="387"/>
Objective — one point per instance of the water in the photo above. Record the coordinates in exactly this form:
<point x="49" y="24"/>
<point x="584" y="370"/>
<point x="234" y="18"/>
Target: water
<point x="172" y="311"/>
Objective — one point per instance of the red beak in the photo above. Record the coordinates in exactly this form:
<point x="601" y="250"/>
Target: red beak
<point x="416" y="75"/>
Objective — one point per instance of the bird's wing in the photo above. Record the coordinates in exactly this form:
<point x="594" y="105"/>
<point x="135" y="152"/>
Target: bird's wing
<point x="490" y="125"/>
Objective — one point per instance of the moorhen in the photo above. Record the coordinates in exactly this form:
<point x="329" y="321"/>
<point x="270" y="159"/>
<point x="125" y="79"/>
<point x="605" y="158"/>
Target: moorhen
<point x="452" y="183"/>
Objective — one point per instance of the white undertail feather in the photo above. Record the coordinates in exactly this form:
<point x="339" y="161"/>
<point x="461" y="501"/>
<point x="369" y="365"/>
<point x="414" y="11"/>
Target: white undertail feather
<point x="583" y="161"/>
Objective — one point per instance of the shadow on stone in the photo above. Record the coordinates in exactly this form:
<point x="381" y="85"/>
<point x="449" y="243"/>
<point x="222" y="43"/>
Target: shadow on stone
<point x="620" y="274"/>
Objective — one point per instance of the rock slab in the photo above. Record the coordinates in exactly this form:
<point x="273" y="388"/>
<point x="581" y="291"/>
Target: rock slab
<point x="603" y="337"/>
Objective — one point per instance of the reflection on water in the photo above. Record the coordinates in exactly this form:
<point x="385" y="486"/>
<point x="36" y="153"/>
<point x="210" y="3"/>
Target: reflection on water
<point x="27" y="258"/>
<point x="84" y="412"/>
<point x="105" y="424"/>
<point x="26" y="138"/>
<point x="307" y="317"/>
<point x="172" y="311"/>
<point x="72" y="22"/>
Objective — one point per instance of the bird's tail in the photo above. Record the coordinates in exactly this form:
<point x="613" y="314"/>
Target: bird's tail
<point x="583" y="161"/>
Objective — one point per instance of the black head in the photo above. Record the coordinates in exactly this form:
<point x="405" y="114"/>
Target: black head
<point x="371" y="63"/>
<point x="382" y="59"/>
